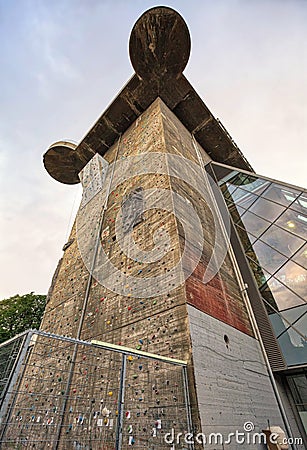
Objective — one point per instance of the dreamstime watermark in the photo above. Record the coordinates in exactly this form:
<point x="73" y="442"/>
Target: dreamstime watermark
<point x="248" y="436"/>
<point x="100" y="183"/>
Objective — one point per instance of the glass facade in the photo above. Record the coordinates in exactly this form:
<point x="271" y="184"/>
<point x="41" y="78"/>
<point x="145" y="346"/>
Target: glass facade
<point x="271" y="221"/>
<point x="298" y="386"/>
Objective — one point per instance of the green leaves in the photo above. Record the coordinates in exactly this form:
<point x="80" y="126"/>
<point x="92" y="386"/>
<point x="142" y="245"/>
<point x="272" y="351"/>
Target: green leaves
<point x="19" y="313"/>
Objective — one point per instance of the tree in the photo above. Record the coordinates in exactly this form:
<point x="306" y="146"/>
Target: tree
<point x="19" y="313"/>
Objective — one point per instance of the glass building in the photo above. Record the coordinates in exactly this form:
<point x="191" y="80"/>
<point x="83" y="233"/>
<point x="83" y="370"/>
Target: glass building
<point x="269" y="219"/>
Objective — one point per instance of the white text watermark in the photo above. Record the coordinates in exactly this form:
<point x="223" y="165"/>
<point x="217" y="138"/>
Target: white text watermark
<point x="246" y="436"/>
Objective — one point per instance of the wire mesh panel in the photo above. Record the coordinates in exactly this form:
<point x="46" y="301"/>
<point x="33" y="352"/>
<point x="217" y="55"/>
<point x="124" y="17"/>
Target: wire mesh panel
<point x="69" y="394"/>
<point x="154" y="403"/>
<point x="8" y="357"/>
<point x="38" y="396"/>
<point x="91" y="414"/>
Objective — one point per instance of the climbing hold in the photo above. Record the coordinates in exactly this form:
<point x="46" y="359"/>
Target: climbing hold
<point x="69" y="428"/>
<point x="105" y="412"/>
<point x="158" y="424"/>
<point x="131" y="440"/>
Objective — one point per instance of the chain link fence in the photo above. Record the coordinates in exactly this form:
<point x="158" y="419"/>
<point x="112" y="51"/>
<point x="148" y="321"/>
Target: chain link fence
<point x="62" y="393"/>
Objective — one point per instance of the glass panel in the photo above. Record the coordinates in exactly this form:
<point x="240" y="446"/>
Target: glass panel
<point x="269" y="259"/>
<point x="228" y="200"/>
<point x="281" y="194"/>
<point x="303" y="415"/>
<point x="283" y="241"/>
<point x="301" y="325"/>
<point x="279" y="295"/>
<point x="222" y="173"/>
<point x="260" y="274"/>
<point x="243" y="198"/>
<point x="296" y="316"/>
<point x="300" y="204"/>
<point x="294" y="222"/>
<point x="278" y="324"/>
<point x="227" y="190"/>
<point x="246" y="238"/>
<point x="298" y="385"/>
<point x="266" y="209"/>
<point x="268" y="299"/>
<point x="236" y="180"/>
<point x="293" y="347"/>
<point x="254" y="224"/>
<point x="301" y="257"/>
<point x="235" y="211"/>
<point x="295" y="277"/>
<point x="230" y="183"/>
<point x="254" y="184"/>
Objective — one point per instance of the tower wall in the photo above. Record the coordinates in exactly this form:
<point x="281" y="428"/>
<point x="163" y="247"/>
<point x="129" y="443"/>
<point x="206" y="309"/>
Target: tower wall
<point x="232" y="382"/>
<point x="187" y="321"/>
<point x="231" y="378"/>
<point x="220" y="297"/>
<point x="160" y="322"/>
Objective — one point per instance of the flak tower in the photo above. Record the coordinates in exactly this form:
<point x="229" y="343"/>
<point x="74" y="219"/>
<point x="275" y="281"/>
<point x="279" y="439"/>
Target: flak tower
<point x="148" y="268"/>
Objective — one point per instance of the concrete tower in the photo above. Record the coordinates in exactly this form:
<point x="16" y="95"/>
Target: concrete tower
<point x="148" y="264"/>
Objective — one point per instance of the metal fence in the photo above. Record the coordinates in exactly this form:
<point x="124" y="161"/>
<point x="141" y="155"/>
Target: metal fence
<point x="62" y="393"/>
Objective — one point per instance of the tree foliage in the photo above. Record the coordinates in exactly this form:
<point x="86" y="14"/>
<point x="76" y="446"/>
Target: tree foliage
<point x="19" y="313"/>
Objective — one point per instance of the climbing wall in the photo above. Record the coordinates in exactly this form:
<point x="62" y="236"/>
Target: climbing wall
<point x="74" y="395"/>
<point x="66" y="295"/>
<point x="90" y="307"/>
<point x="156" y="324"/>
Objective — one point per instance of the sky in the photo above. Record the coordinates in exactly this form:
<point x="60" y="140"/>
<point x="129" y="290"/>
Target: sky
<point x="63" y="62"/>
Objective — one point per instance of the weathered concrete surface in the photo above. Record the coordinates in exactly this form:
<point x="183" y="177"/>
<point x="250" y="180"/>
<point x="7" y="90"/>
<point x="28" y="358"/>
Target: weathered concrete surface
<point x="232" y="383"/>
<point x="220" y="297"/>
<point x="160" y="324"/>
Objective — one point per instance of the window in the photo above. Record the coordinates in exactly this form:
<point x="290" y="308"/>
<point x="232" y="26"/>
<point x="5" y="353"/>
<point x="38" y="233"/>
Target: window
<point x="298" y="387"/>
